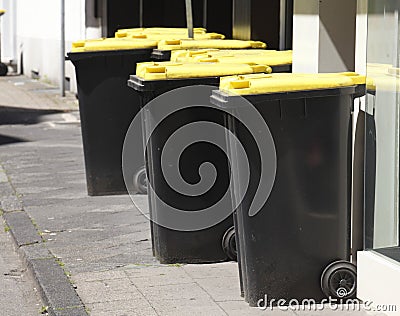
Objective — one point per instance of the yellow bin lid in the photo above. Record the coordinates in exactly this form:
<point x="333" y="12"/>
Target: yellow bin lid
<point x="163" y="30"/>
<point x="171" y="70"/>
<point x="167" y="36"/>
<point x="200" y="44"/>
<point x="285" y="82"/>
<point x="193" y="53"/>
<point x="108" y="44"/>
<point x="271" y="58"/>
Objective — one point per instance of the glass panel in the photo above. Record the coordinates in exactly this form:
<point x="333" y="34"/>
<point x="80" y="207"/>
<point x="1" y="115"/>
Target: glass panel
<point x="382" y="125"/>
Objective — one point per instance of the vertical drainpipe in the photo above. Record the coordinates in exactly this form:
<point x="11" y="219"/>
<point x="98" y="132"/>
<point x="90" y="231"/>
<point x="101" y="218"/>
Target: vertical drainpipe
<point x="62" y="50"/>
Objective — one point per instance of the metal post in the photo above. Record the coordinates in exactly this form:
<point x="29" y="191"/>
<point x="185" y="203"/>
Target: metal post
<point x="282" y="26"/>
<point x="205" y="13"/>
<point x="62" y="50"/>
<point x="141" y="13"/>
<point x="189" y="18"/>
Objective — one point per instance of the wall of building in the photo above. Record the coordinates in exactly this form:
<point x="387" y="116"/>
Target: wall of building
<point x="32" y="30"/>
<point x="8" y="27"/>
<point x="320" y="43"/>
<point x="38" y="35"/>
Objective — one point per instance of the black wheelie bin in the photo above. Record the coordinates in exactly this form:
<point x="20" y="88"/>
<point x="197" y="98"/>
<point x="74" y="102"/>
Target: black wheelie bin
<point x="296" y="246"/>
<point x="151" y="81"/>
<point x="107" y="107"/>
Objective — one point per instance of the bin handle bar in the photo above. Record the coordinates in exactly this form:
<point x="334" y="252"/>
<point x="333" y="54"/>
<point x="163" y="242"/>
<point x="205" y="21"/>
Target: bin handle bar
<point x="189" y="18"/>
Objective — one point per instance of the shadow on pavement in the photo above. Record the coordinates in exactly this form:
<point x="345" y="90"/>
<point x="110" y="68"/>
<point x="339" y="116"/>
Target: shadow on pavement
<point x="23" y="116"/>
<point x="6" y="140"/>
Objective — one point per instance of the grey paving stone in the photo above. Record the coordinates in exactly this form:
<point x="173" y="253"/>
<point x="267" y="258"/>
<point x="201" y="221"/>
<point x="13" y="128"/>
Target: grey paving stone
<point x="74" y="311"/>
<point x="3" y="176"/>
<point x="100" y="276"/>
<point x="107" y="291"/>
<point x="222" y="288"/>
<point x="122" y="308"/>
<point x="240" y="308"/>
<point x="55" y="287"/>
<point x="11" y="203"/>
<point x="217" y="270"/>
<point x="335" y="310"/>
<point x="35" y="251"/>
<point x="158" y="276"/>
<point x="5" y="189"/>
<point x="184" y="306"/>
<point x="21" y="228"/>
<point x="17" y="294"/>
<point x="184" y="291"/>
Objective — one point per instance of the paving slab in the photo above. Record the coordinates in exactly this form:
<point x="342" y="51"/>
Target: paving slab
<point x="18" y="295"/>
<point x="21" y="227"/>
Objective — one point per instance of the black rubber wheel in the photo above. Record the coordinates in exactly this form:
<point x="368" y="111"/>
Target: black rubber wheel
<point x="140" y="181"/>
<point x="229" y="244"/>
<point x="339" y="280"/>
<point x="3" y="69"/>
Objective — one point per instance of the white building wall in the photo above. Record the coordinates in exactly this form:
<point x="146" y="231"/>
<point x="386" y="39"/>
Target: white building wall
<point x="31" y="31"/>
<point x="8" y="31"/>
<point x="39" y="31"/>
<point x="378" y="280"/>
<point x="320" y="42"/>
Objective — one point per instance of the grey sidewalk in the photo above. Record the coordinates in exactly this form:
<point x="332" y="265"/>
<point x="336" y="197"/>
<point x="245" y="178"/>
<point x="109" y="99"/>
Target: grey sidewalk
<point x="17" y="293"/>
<point x="102" y="244"/>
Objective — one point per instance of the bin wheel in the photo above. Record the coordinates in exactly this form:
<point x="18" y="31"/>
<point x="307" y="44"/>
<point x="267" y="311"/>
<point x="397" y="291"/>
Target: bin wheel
<point x="3" y="69"/>
<point x="339" y="280"/>
<point x="229" y="244"/>
<point x="140" y="181"/>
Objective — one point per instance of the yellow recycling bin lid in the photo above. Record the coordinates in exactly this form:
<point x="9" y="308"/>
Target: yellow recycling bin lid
<point x="108" y="44"/>
<point x="270" y="58"/>
<point x="163" y="30"/>
<point x="171" y="70"/>
<point x="201" y="44"/>
<point x="214" y="52"/>
<point x="167" y="36"/>
<point x="176" y="55"/>
<point x="2" y="11"/>
<point x="286" y="82"/>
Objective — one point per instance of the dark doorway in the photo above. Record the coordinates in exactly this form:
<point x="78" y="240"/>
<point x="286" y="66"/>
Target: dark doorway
<point x="268" y="21"/>
<point x="167" y="13"/>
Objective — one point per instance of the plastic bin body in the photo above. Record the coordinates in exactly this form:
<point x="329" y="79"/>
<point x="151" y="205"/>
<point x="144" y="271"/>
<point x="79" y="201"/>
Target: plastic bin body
<point x="107" y="107"/>
<point x="171" y="246"/>
<point x="305" y="223"/>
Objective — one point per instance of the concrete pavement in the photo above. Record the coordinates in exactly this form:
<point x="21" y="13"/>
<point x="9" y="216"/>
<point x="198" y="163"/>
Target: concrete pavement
<point x="92" y="255"/>
<point x="18" y="295"/>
